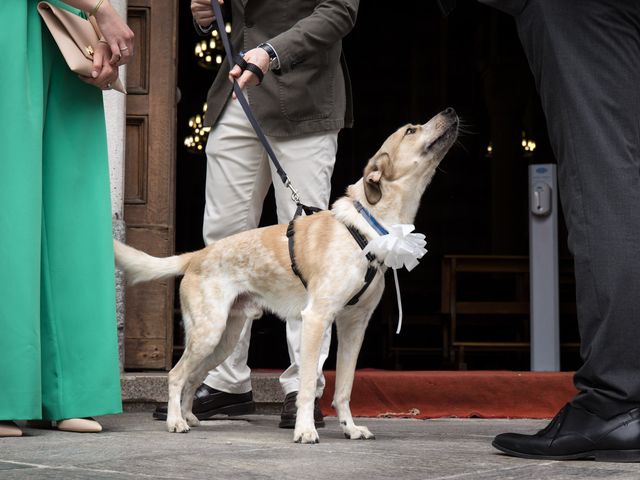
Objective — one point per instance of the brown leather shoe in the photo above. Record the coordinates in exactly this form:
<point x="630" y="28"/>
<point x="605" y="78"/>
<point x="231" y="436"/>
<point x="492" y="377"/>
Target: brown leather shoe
<point x="289" y="409"/>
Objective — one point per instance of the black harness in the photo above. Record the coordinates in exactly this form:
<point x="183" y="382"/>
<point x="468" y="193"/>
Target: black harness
<point x="357" y="236"/>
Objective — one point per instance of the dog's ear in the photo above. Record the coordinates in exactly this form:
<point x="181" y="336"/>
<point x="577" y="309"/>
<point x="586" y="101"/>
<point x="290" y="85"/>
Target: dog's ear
<point x="376" y="169"/>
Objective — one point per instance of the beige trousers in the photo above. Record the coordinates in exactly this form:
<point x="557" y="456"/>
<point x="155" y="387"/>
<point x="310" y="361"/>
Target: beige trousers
<point x="239" y="174"/>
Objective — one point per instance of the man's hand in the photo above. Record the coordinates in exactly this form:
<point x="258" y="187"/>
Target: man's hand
<point x="202" y="12"/>
<point x="258" y="57"/>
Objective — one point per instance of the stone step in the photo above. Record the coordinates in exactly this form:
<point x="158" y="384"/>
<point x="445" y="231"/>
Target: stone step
<point x="142" y="391"/>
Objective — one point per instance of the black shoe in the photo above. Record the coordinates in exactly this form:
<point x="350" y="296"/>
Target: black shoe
<point x="208" y="401"/>
<point x="288" y="415"/>
<point x="576" y="434"/>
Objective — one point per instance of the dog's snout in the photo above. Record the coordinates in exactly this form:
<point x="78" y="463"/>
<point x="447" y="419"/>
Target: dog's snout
<point x="449" y="112"/>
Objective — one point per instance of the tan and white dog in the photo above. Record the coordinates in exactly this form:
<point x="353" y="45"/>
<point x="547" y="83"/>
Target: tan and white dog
<point x="238" y="276"/>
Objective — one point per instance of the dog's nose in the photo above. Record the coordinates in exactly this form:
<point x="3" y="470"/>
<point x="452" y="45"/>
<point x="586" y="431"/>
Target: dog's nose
<point x="449" y="111"/>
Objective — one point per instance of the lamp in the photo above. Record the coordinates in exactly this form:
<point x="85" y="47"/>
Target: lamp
<point x="209" y="52"/>
<point x="196" y="141"/>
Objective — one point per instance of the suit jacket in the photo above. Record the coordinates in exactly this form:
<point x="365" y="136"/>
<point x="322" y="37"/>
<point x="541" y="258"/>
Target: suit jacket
<point x="311" y="91"/>
<point x="513" y="7"/>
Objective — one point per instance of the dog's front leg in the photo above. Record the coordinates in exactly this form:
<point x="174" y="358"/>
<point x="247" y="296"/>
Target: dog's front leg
<point x="350" y="325"/>
<point x="315" y="321"/>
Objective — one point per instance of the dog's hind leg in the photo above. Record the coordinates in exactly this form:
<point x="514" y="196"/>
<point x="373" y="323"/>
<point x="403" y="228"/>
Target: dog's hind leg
<point x="350" y="326"/>
<point x="176" y="380"/>
<point x="186" y="405"/>
<point x="190" y="387"/>
<point x="207" y="304"/>
<point x="243" y="309"/>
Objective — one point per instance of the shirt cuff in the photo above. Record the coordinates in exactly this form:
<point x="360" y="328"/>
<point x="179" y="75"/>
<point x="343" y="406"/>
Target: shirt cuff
<point x="203" y="32"/>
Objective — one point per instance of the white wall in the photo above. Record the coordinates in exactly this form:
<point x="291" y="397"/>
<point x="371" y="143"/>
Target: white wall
<point x="115" y="113"/>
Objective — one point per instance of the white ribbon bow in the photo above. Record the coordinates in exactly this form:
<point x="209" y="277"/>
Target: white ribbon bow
<point x="398" y="248"/>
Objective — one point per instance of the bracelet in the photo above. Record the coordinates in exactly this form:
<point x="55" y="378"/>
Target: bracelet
<point x="95" y="9"/>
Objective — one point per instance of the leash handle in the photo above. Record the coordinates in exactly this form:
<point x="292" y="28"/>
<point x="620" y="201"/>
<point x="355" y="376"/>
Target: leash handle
<point x="295" y="196"/>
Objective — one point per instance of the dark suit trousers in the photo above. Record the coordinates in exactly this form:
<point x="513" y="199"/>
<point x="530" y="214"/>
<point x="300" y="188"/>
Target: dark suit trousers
<point x="585" y="57"/>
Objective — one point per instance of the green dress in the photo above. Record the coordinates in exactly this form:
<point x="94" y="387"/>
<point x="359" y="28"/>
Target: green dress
<point x="58" y="341"/>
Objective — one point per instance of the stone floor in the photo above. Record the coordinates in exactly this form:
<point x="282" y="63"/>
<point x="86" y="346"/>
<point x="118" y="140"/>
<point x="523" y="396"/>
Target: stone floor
<point x="135" y="446"/>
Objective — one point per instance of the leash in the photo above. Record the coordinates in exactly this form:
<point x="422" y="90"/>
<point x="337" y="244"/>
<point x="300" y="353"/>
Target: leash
<point x="295" y="196"/>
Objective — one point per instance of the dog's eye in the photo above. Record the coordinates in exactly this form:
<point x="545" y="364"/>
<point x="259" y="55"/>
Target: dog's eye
<point x="410" y="131"/>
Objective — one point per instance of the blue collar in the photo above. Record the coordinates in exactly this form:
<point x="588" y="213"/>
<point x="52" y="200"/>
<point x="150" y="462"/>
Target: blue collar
<point x="370" y="218"/>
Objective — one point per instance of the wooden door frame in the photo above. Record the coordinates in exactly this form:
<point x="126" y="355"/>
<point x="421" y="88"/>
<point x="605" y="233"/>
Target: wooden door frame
<point x="149" y="199"/>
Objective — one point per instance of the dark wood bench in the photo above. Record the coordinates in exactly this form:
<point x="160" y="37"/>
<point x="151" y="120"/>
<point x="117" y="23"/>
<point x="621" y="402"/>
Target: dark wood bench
<point x="482" y="267"/>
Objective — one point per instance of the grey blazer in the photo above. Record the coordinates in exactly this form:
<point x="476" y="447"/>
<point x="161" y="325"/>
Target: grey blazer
<point x="311" y="91"/>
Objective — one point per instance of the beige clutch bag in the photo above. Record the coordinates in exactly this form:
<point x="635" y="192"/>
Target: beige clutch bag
<point x="76" y="39"/>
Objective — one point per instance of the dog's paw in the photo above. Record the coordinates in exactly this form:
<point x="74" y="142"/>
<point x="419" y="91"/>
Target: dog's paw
<point x="306" y="436"/>
<point x="192" y="420"/>
<point x="178" y="425"/>
<point x="358" y="433"/>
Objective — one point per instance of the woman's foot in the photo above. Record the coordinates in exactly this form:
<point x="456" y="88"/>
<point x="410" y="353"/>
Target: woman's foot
<point x="9" y="429"/>
<point x="77" y="425"/>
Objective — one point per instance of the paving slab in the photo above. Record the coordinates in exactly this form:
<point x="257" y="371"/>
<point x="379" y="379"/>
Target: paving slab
<point x="133" y="445"/>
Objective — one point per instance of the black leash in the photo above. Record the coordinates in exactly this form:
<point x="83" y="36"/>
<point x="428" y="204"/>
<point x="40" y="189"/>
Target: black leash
<point x="247" y="109"/>
<point x="359" y="238"/>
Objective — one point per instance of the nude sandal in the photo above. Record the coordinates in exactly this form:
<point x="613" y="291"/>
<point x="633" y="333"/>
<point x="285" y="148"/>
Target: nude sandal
<point x="9" y="429"/>
<point x="77" y="425"/>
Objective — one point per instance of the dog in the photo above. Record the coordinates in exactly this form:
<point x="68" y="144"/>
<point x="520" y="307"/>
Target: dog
<point x="240" y="276"/>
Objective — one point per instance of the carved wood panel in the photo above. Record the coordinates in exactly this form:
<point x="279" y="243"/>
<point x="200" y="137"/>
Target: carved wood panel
<point x="150" y="177"/>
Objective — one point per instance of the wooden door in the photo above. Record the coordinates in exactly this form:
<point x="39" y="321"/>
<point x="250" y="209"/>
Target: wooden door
<point x="150" y="177"/>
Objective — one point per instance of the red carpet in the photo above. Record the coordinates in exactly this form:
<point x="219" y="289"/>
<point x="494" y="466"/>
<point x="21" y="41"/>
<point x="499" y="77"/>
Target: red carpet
<point x="481" y="394"/>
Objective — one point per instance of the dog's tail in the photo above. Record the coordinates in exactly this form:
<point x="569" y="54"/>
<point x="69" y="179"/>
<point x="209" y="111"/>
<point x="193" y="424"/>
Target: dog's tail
<point x="140" y="267"/>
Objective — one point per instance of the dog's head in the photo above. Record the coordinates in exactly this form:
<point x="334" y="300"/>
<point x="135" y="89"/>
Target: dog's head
<point x="410" y="156"/>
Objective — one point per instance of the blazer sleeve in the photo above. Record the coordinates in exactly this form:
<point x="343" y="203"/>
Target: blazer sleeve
<point x="329" y="23"/>
<point x="512" y="7"/>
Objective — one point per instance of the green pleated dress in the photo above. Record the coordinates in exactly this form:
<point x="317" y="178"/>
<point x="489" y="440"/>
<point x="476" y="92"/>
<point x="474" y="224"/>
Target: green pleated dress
<point x="58" y="340"/>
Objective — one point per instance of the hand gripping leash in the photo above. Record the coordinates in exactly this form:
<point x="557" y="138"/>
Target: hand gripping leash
<point x="295" y="196"/>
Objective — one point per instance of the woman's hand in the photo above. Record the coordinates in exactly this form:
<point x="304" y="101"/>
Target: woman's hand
<point x="104" y="73"/>
<point x="117" y="34"/>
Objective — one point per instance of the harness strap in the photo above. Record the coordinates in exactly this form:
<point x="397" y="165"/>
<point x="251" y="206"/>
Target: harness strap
<point x="371" y="270"/>
<point x="292" y="254"/>
<point x="358" y="237"/>
<point x="368" y="278"/>
<point x="290" y="233"/>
